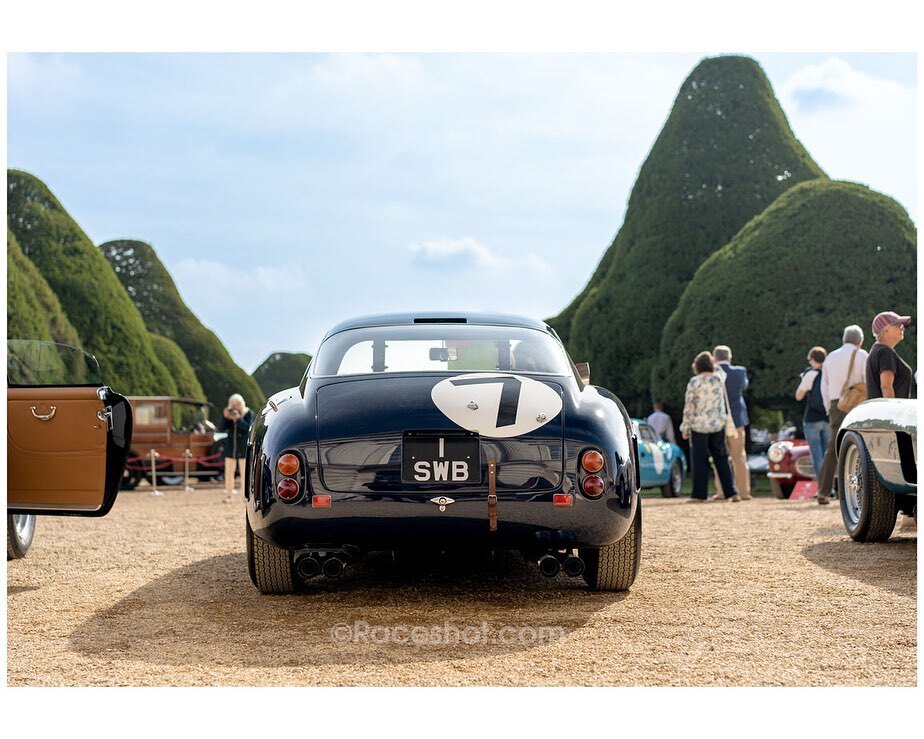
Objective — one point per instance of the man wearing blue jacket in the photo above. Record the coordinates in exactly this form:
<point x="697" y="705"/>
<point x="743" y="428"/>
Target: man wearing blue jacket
<point x="736" y="382"/>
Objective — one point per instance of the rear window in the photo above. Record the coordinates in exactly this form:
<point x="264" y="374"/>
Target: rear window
<point x="440" y="348"/>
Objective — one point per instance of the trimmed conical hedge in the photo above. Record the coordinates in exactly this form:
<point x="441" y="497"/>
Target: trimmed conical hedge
<point x="280" y="371"/>
<point x="725" y="153"/>
<point x="91" y="296"/>
<point x="825" y="255"/>
<point x="33" y="311"/>
<point x="187" y="384"/>
<point x="153" y="291"/>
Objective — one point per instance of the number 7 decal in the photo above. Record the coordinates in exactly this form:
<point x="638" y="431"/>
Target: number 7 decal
<point x="471" y="401"/>
<point x="509" y="399"/>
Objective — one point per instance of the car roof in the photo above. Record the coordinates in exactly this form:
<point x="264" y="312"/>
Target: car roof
<point x="431" y="317"/>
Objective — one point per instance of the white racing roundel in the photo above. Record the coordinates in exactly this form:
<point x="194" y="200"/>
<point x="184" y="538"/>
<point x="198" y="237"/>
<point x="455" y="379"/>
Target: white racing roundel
<point x="496" y="405"/>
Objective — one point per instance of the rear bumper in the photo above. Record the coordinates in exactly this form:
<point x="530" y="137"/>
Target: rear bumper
<point x="398" y="520"/>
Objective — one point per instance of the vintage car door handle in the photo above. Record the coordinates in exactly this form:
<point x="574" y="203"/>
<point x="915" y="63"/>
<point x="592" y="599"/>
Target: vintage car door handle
<point x="105" y="415"/>
<point x="47" y="417"/>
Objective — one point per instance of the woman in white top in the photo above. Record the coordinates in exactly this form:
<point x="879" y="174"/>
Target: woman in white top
<point x="704" y="414"/>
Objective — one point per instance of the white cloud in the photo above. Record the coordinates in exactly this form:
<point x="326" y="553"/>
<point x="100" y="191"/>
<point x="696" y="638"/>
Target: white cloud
<point x="467" y="253"/>
<point x="856" y="126"/>
<point x="836" y="76"/>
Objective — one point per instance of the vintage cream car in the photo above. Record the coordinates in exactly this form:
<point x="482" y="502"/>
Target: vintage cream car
<point x="877" y="465"/>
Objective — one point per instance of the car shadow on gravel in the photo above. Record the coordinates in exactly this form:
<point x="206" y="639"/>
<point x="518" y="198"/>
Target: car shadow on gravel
<point x="17" y="589"/>
<point x="382" y="612"/>
<point x="891" y="564"/>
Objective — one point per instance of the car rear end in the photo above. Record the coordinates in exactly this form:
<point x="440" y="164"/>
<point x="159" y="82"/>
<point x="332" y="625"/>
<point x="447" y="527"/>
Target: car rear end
<point x="484" y="456"/>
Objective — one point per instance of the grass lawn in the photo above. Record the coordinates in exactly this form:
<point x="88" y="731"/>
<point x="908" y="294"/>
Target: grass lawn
<point x="760" y="487"/>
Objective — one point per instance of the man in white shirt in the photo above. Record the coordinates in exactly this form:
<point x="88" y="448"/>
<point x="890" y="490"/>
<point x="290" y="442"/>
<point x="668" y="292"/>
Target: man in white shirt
<point x="661" y="422"/>
<point x="834" y="380"/>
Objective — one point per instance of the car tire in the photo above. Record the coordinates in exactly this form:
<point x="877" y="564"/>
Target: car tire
<point x="20" y="530"/>
<point x="780" y="491"/>
<point x="868" y="508"/>
<point x="218" y="448"/>
<point x="131" y="477"/>
<point x="671" y="489"/>
<point x="270" y="567"/>
<point x="615" y="566"/>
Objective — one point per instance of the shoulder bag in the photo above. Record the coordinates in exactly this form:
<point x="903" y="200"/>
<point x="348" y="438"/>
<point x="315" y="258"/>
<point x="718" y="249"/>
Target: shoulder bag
<point x="730" y="428"/>
<point x="853" y="395"/>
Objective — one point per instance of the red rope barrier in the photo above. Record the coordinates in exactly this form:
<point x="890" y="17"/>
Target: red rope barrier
<point x="142" y="464"/>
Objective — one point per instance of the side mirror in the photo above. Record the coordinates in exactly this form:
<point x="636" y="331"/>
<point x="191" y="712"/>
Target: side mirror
<point x="583" y="369"/>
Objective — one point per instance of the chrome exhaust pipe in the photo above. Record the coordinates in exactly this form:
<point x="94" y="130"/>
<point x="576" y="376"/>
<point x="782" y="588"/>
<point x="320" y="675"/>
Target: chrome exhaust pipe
<point x="549" y="565"/>
<point x="333" y="567"/>
<point x="307" y="567"/>
<point x="573" y="566"/>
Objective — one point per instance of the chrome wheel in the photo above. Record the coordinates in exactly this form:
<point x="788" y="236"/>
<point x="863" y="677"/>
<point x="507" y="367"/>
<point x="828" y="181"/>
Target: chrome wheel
<point x="20" y="530"/>
<point x="676" y="479"/>
<point x="671" y="488"/>
<point x="853" y="483"/>
<point x="23" y="524"/>
<point x="867" y="506"/>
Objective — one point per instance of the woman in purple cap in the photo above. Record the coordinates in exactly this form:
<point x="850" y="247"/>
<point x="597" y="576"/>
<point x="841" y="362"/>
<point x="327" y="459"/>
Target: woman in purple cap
<point x="887" y="374"/>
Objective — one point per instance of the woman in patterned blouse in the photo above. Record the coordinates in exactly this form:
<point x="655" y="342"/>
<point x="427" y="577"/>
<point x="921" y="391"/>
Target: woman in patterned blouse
<point x="704" y="412"/>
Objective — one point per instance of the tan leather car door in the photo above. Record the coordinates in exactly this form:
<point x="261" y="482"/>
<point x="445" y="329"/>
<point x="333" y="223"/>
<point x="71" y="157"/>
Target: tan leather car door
<point x="56" y="445"/>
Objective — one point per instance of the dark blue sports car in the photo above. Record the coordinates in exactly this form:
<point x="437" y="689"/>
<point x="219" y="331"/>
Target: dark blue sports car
<point x="442" y="432"/>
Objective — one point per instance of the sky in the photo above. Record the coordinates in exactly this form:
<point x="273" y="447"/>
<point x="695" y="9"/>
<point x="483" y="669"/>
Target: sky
<point x="287" y="192"/>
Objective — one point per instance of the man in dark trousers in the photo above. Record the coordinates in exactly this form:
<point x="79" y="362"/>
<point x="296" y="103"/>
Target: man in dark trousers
<point x="842" y="368"/>
<point x="736" y="382"/>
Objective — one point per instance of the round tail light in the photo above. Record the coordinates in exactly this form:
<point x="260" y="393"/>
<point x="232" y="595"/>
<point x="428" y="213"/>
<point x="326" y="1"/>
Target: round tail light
<point x="287" y="464"/>
<point x="593" y="486"/>
<point x="288" y="489"/>
<point x="592" y="461"/>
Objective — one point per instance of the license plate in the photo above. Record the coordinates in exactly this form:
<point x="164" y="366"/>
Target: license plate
<point x="431" y="457"/>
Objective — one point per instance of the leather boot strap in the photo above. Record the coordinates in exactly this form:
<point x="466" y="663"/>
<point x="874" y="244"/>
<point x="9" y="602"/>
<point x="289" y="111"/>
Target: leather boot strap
<point x="492" y="496"/>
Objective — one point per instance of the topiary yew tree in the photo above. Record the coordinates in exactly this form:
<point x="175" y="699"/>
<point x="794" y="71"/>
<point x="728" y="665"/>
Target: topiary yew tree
<point x="280" y="371"/>
<point x="725" y="153"/>
<point x="825" y="255"/>
<point x="151" y="288"/>
<point x="187" y="384"/>
<point x="33" y="311"/>
<point x="106" y="320"/>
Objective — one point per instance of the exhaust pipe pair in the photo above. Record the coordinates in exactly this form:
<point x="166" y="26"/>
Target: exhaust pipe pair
<point x="308" y="566"/>
<point x="550" y="565"/>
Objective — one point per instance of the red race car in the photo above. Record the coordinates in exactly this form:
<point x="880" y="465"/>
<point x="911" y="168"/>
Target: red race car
<point x="789" y="462"/>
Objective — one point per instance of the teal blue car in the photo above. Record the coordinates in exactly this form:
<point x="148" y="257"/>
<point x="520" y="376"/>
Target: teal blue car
<point x="661" y="463"/>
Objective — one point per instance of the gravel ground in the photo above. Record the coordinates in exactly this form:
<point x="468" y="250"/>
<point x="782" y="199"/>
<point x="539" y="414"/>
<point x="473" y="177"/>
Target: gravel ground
<point x="760" y="593"/>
